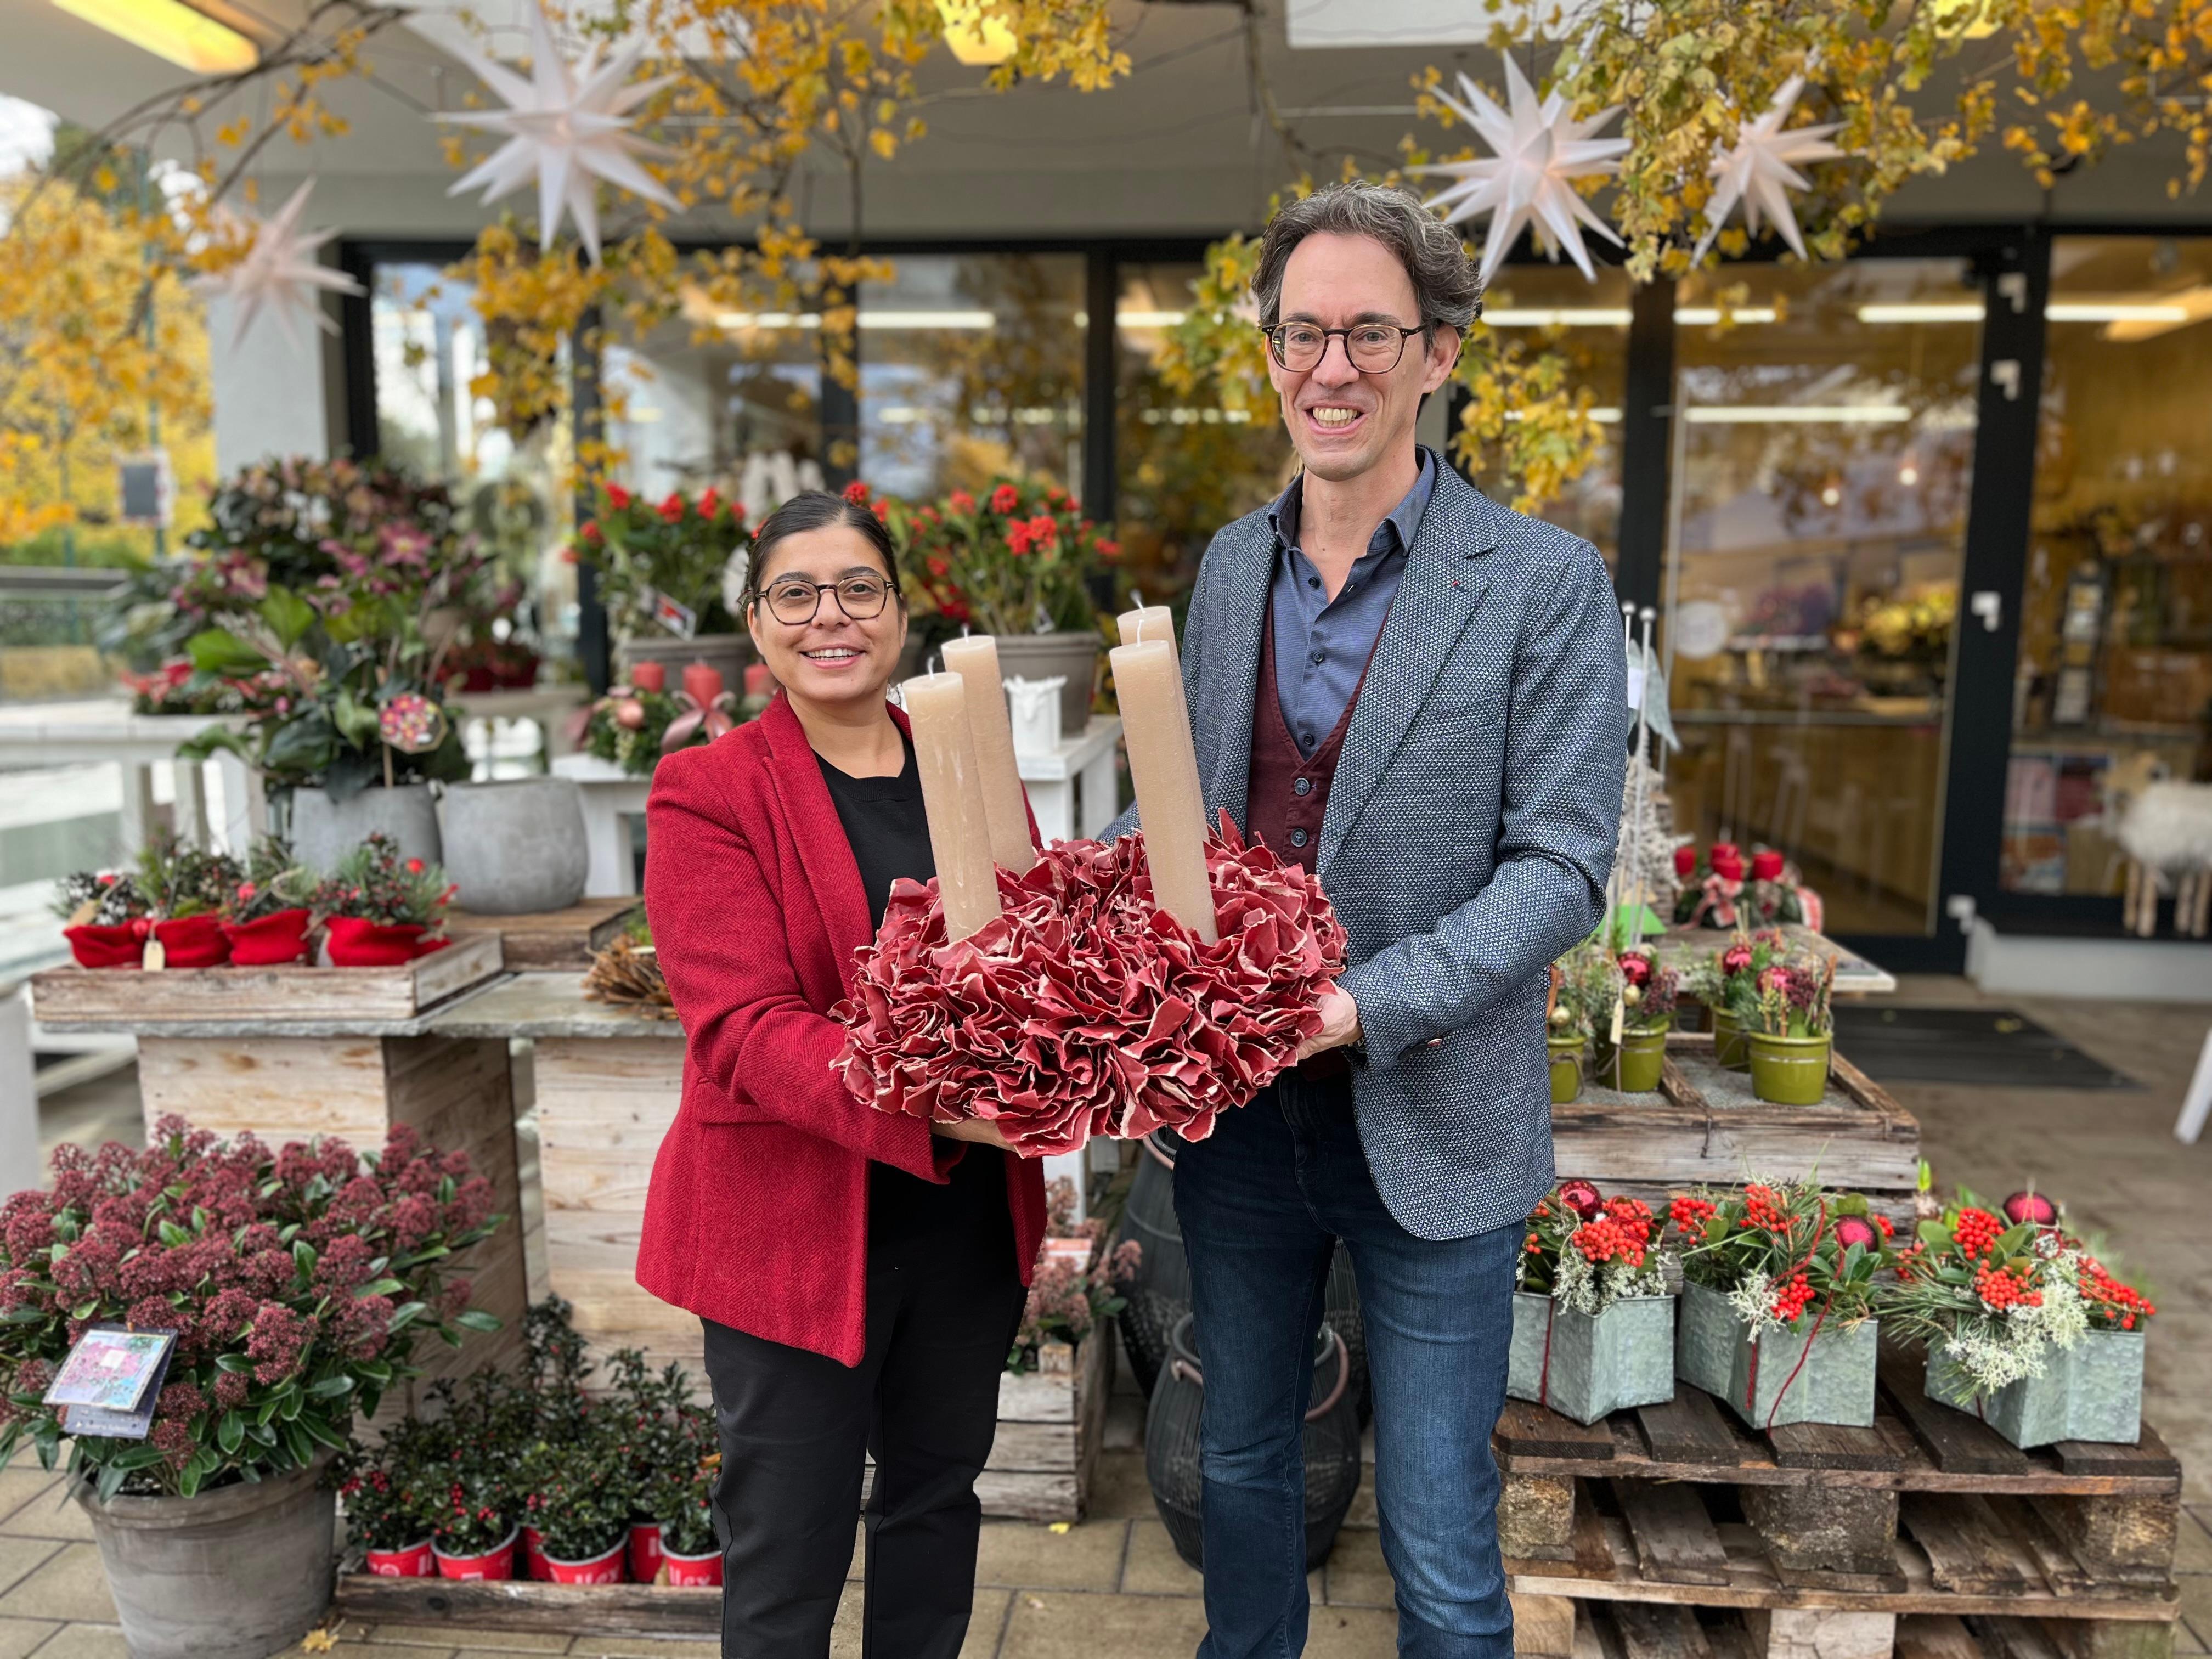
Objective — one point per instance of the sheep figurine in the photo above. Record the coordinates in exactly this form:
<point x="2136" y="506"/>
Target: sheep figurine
<point x="2165" y="827"/>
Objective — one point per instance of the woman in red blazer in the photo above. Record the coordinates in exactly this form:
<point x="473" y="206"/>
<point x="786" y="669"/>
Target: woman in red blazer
<point x="860" y="1275"/>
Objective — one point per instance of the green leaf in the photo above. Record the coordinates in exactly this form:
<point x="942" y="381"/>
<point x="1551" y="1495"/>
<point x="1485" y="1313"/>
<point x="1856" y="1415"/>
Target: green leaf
<point x="475" y="1319"/>
<point x="111" y="1481"/>
<point x="233" y="1363"/>
<point x="380" y="1287"/>
<point x="356" y="721"/>
<point x="320" y="1431"/>
<point x="230" y="1433"/>
<point x="289" y="616"/>
<point x="405" y="1315"/>
<point x="140" y="1457"/>
<point x="332" y="1387"/>
<point x="304" y="1257"/>
<point x="85" y="1309"/>
<point x="188" y="1483"/>
<point x="219" y="651"/>
<point x="297" y="1443"/>
<point x="174" y="1235"/>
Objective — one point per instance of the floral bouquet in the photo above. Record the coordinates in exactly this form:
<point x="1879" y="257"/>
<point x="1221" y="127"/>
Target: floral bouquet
<point x="1791" y="994"/>
<point x="1084" y="1009"/>
<point x="632" y="727"/>
<point x="1720" y="892"/>
<point x="1592" y="1324"/>
<point x="298" y="1283"/>
<point x="1996" y="1297"/>
<point x="1587" y="1251"/>
<point x="383" y="910"/>
<point x="1649" y="993"/>
<point x="1778" y="1300"/>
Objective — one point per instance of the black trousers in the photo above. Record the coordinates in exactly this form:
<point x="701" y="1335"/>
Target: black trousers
<point x="944" y="1303"/>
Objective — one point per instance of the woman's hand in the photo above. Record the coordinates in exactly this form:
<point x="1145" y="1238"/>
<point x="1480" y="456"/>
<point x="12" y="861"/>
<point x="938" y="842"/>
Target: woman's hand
<point x="981" y="1130"/>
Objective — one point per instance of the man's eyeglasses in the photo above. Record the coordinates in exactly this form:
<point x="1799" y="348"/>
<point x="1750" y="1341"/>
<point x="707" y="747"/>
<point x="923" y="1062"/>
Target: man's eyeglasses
<point x="1372" y="348"/>
<point x="797" y="601"/>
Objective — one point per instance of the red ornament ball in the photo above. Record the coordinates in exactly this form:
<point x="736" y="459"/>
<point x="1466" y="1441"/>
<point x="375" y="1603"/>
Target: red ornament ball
<point x="1852" y="1230"/>
<point x="1582" y="1197"/>
<point x="2031" y="1206"/>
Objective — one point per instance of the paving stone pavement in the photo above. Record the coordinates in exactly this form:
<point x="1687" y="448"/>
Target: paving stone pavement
<point x="1112" y="1587"/>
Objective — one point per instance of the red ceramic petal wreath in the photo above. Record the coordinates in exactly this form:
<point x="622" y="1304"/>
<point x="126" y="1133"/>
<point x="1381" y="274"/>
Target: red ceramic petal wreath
<point x="1086" y="1010"/>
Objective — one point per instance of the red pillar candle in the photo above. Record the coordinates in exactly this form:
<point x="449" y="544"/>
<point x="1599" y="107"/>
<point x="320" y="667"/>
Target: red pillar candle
<point x="648" y="675"/>
<point x="702" y="684"/>
<point x="760" y="680"/>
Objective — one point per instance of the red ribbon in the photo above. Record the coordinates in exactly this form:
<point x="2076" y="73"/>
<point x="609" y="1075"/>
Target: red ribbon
<point x="715" y="716"/>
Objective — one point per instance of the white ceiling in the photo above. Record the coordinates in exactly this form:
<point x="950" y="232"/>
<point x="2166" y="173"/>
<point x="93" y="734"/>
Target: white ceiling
<point x="1175" y="150"/>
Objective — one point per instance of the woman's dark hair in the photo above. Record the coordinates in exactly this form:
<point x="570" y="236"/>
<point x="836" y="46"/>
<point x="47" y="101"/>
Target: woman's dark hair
<point x="817" y="509"/>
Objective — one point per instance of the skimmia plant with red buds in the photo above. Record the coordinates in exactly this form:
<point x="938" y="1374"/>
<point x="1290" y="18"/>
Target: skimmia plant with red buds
<point x="298" y="1281"/>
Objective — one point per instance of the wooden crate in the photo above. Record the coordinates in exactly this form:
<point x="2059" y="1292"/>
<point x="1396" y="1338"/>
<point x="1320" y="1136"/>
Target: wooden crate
<point x="1826" y="1537"/>
<point x="1051" y="1422"/>
<point x="296" y="994"/>
<point x="1703" y="1127"/>
<point x="457" y="1093"/>
<point x="563" y="1610"/>
<point x="550" y="939"/>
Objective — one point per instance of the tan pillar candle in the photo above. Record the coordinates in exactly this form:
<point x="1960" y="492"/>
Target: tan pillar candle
<point x="952" y="795"/>
<point x="976" y="660"/>
<point x="1163" y="766"/>
<point x="1154" y="622"/>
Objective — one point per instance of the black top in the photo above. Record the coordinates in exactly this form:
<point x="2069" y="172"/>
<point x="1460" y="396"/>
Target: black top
<point x="889" y="833"/>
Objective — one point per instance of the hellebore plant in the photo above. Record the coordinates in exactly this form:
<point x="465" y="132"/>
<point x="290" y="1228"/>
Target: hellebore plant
<point x="298" y="1281"/>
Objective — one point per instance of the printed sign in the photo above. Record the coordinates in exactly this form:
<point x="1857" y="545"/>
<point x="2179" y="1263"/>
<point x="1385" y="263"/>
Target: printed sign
<point x="110" y="1380"/>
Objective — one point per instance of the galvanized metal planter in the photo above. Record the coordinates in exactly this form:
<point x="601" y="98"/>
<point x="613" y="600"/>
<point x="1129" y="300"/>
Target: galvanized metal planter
<point x="2091" y="1391"/>
<point x="1763" y="1381"/>
<point x="1585" y="1366"/>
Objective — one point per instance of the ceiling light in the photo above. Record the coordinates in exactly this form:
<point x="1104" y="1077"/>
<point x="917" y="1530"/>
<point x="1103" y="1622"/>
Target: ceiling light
<point x="1557" y="317"/>
<point x="976" y="40"/>
<point x="1148" y="318"/>
<point x="2115" y="311"/>
<point x="734" y="319"/>
<point x="926" y="319"/>
<point x="1705" y="316"/>
<point x="189" y="39"/>
<point x="1924" y="311"/>
<point x="1796" y="414"/>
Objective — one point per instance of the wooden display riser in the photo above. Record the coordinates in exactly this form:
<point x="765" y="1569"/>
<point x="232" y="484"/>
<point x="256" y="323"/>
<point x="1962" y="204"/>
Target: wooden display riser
<point x="1547" y="1627"/>
<point x="1702" y="1126"/>
<point x="549" y="939"/>
<point x="457" y="1094"/>
<point x="1826" y="1537"/>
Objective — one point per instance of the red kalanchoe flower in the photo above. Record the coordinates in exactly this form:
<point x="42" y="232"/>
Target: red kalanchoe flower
<point x="672" y="508"/>
<point x="709" y="502"/>
<point x="857" y="493"/>
<point x="617" y="498"/>
<point x="1006" y="498"/>
<point x="592" y="532"/>
<point x="960" y="502"/>
<point x="1043" y="530"/>
<point x="1017" y="538"/>
<point x="1108" y="551"/>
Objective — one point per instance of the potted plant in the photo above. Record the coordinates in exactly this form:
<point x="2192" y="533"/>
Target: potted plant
<point x="1789" y="1026"/>
<point x="635" y="725"/>
<point x="389" y="1500"/>
<point x="1648" y="995"/>
<point x="1593" y="1325"/>
<point x="1779" y="1301"/>
<point x="1067" y="1300"/>
<point x="2023" y="1326"/>
<point x="298" y="1283"/>
<point x="579" y="1504"/>
<point x="691" y="1554"/>
<point x="668" y="572"/>
<point x="1016" y="564"/>
<point x="267" y="911"/>
<point x="1585" y="996"/>
<point x="1720" y="891"/>
<point x="471" y="1537"/>
<point x="107" y="919"/>
<point x="1726" y="982"/>
<point x="382" y="909"/>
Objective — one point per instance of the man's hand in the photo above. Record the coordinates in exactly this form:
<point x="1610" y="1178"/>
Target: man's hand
<point x="981" y="1130"/>
<point x="1340" y="1024"/>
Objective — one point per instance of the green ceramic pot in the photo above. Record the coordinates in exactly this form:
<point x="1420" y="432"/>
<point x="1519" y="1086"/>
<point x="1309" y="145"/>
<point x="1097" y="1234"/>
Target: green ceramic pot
<point x="1638" y="1060"/>
<point x="1566" y="1068"/>
<point x="1787" y="1071"/>
<point x="1728" y="1050"/>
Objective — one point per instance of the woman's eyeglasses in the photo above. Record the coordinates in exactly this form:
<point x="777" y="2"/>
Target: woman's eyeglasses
<point x="797" y="601"/>
<point x="1372" y="348"/>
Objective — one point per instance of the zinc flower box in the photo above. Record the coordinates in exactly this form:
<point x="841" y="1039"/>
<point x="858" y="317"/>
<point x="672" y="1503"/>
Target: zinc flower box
<point x="1587" y="1366"/>
<point x="2092" y="1391"/>
<point x="1793" y="1376"/>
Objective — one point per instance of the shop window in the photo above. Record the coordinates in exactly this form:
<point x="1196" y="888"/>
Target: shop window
<point x="2114" y="682"/>
<point x="1823" y="444"/>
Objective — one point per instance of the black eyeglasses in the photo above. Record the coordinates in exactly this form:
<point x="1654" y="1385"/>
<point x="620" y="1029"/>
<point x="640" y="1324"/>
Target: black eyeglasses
<point x="1372" y="348"/>
<point x="797" y="601"/>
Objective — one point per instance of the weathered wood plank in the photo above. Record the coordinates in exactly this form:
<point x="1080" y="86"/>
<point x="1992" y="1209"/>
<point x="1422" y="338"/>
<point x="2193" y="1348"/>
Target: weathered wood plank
<point x="1935" y="1635"/>
<point x="67" y="996"/>
<point x="1831" y="1446"/>
<point x="1656" y="1632"/>
<point x="1691" y="1429"/>
<point x="2148" y="1457"/>
<point x="1526" y="1429"/>
<point x="555" y="1609"/>
<point x="549" y="939"/>
<point x="1543" y="1626"/>
<point x="1969" y="1549"/>
<point x="1826" y="1528"/>
<point x="1674" y="1536"/>
<point x="1958" y="1444"/>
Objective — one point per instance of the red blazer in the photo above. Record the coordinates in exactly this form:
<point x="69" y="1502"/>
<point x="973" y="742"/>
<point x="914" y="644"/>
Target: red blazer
<point x="757" y="1216"/>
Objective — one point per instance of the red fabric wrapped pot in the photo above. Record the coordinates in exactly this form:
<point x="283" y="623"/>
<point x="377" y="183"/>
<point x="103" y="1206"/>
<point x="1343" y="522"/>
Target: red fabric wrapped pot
<point x="120" y="946"/>
<point x="193" y="942"/>
<point x="356" y="942"/>
<point x="416" y="1561"/>
<point x="269" y="941"/>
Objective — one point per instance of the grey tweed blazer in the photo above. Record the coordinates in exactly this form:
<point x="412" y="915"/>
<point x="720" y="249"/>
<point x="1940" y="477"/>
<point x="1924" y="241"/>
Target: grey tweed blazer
<point x="1469" y="833"/>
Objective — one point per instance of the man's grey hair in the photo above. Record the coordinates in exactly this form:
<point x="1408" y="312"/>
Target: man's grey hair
<point x="1447" y="287"/>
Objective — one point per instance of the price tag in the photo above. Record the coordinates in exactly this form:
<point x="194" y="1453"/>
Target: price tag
<point x="111" y="1381"/>
<point x="678" y="619"/>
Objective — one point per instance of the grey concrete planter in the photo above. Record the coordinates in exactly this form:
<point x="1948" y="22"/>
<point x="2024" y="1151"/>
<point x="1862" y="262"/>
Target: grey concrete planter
<point x="1762" y="1381"/>
<point x="1597" y="1365"/>
<point x="2091" y="1391"/>
<point x="323" y="828"/>
<point x="515" y="847"/>
<point x="240" y="1573"/>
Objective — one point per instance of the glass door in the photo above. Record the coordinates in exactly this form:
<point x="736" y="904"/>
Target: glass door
<point x="1823" y="438"/>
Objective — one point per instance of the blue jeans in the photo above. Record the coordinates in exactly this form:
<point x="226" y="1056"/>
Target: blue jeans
<point x="1261" y="1204"/>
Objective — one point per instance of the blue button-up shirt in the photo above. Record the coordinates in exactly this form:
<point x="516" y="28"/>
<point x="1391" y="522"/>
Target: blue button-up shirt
<point x="1322" y="644"/>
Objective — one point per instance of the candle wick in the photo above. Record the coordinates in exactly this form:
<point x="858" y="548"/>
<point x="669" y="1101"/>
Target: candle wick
<point x="1137" y="597"/>
<point x="963" y="630"/>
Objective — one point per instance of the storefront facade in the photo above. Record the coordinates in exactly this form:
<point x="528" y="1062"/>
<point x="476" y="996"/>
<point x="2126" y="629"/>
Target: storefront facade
<point x="1929" y="527"/>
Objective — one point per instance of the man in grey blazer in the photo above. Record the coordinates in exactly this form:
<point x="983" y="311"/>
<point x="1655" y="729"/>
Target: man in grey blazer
<point x="1420" y="694"/>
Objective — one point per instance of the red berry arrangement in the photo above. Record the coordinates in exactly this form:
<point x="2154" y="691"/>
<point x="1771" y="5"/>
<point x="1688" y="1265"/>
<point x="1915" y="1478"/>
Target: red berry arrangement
<point x="1781" y="1250"/>
<point x="1589" y="1251"/>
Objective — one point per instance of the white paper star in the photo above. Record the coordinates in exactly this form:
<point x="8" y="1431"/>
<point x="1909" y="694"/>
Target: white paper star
<point x="1539" y="152"/>
<point x="281" y="272"/>
<point x="1759" y="170"/>
<point x="564" y="125"/>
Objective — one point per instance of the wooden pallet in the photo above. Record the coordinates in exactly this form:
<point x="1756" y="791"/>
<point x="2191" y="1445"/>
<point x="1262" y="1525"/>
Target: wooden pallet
<point x="294" y="994"/>
<point x="1825" y="1537"/>
<point x="1702" y="1126"/>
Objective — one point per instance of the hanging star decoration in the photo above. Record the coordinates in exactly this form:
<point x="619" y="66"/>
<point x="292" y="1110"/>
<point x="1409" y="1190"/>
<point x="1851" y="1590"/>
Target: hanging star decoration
<point x="568" y="124"/>
<point x="1762" y="168"/>
<point x="1529" y="180"/>
<point x="280" y="272"/>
